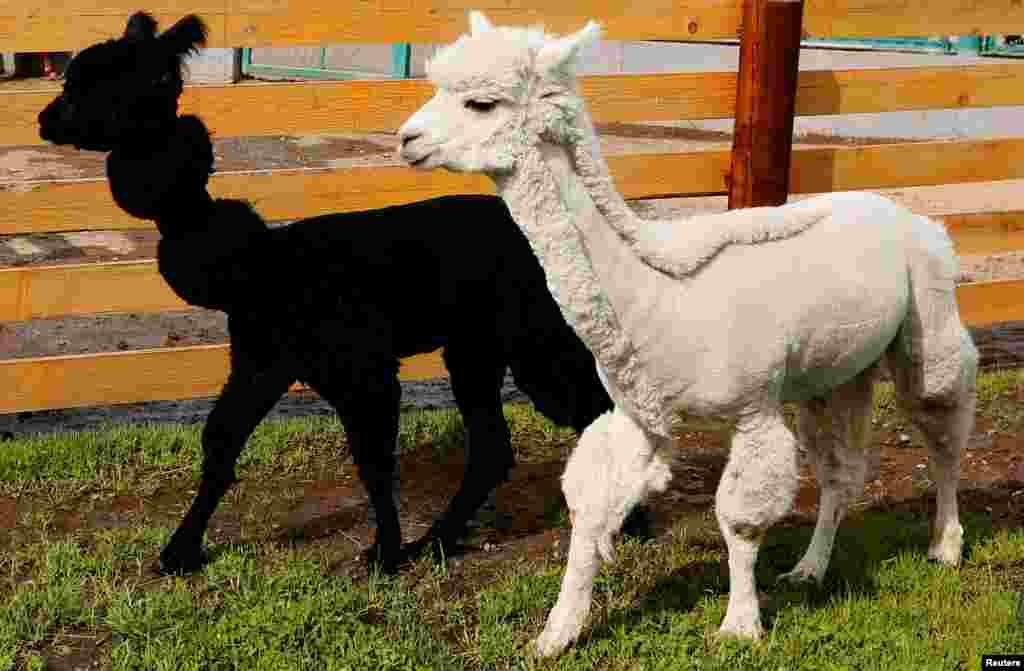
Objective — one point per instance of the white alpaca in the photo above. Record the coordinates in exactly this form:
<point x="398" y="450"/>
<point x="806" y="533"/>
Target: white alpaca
<point x="727" y="315"/>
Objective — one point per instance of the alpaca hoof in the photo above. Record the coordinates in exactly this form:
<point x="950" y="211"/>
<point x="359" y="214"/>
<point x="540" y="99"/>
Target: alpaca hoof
<point x="747" y="630"/>
<point x="384" y="561"/>
<point x="947" y="549"/>
<point x="944" y="556"/>
<point x="176" y="561"/>
<point x="431" y="546"/>
<point x="550" y="644"/>
<point x="638" y="524"/>
<point x="801" y="575"/>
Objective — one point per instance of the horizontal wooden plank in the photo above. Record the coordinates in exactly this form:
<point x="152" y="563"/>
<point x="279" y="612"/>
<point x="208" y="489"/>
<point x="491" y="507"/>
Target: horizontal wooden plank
<point x="192" y="372"/>
<point x="990" y="302"/>
<point x="136" y="286"/>
<point x="70" y="205"/>
<point x="984" y="233"/>
<point x="74" y="24"/>
<point x="79" y="289"/>
<point x="298" y="108"/>
<point x="905" y="164"/>
<point x="130" y="377"/>
<point x="907" y="89"/>
<point x="901" y="18"/>
<point x="252" y="23"/>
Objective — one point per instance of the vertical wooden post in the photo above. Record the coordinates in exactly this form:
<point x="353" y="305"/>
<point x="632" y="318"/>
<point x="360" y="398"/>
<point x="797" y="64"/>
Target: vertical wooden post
<point x="765" y="100"/>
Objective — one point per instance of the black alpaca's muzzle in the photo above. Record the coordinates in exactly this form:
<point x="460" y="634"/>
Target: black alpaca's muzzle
<point x="55" y="121"/>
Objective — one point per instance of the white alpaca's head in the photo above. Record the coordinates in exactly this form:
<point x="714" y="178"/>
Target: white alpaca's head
<point x="613" y="468"/>
<point x="499" y="90"/>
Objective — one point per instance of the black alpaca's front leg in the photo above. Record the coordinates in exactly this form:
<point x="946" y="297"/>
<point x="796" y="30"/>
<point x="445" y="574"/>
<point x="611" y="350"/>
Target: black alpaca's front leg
<point x="369" y="410"/>
<point x="243" y="403"/>
<point x="489" y="458"/>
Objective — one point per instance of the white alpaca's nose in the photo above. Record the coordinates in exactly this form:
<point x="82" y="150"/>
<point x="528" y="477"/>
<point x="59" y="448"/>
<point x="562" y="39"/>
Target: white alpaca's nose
<point x="408" y="133"/>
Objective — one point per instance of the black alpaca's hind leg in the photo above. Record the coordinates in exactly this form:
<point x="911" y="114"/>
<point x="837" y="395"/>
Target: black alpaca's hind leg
<point x="243" y="403"/>
<point x="368" y="407"/>
<point x="476" y="383"/>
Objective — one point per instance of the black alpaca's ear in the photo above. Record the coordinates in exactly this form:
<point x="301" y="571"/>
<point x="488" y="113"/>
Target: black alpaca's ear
<point x="141" y="26"/>
<point x="185" y="36"/>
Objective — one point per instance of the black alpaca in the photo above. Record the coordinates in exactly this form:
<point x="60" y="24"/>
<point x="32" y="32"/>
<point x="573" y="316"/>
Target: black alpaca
<point x="333" y="301"/>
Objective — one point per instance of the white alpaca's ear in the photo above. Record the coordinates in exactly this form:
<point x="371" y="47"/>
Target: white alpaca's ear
<point x="478" y="23"/>
<point x="561" y="54"/>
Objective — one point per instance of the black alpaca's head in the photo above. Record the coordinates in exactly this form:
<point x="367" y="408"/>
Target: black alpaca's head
<point x="123" y="92"/>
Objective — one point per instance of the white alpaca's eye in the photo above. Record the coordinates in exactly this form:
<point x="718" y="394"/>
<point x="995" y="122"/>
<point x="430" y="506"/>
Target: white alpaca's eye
<point x="482" y="106"/>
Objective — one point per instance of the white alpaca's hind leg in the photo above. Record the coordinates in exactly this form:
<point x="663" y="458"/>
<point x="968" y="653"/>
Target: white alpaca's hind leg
<point x="758" y="487"/>
<point x="836" y="432"/>
<point x="946" y="425"/>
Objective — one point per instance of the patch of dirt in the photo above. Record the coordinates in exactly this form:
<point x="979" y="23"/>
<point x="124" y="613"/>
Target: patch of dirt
<point x="111" y="333"/>
<point x="8" y="512"/>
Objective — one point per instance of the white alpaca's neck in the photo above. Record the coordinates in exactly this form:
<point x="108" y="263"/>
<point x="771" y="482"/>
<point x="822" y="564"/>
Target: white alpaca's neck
<point x="590" y="272"/>
<point x="677" y="249"/>
<point x="597" y="180"/>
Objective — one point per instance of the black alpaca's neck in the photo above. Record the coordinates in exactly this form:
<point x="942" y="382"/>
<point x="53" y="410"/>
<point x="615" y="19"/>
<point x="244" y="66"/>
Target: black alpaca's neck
<point x="213" y="258"/>
<point x="209" y="248"/>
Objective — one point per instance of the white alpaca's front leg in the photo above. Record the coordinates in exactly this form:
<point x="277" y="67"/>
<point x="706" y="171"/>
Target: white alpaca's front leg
<point x="566" y="619"/>
<point x="757" y="488"/>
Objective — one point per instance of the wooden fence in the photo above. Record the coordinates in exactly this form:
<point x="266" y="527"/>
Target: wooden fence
<point x="352" y="106"/>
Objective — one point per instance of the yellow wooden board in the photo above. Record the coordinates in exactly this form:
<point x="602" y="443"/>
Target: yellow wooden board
<point x="901" y="89"/>
<point x="74" y="24"/>
<point x="73" y="205"/>
<point x="290" y="194"/>
<point x="249" y="23"/>
<point x="989" y="302"/>
<point x="981" y="234"/>
<point x="35" y="292"/>
<point x="905" y="164"/>
<point x="135" y="286"/>
<point x="144" y="375"/>
<point x="902" y="18"/>
<point x="301" y="108"/>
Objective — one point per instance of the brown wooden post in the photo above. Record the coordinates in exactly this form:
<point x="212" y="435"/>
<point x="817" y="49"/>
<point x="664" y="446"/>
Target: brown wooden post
<point x="765" y="100"/>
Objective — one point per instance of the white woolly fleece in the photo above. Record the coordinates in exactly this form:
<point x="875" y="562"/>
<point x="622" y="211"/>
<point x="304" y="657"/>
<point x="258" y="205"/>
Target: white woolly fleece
<point x="613" y="468"/>
<point x="725" y="315"/>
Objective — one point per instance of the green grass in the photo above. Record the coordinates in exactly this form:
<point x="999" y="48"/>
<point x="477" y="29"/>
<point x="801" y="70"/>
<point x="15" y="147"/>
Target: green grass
<point x="266" y="602"/>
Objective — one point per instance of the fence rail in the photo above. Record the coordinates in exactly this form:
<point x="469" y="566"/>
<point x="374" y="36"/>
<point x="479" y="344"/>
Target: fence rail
<point x="44" y="292"/>
<point x="375" y="105"/>
<point x="73" y="24"/>
<point x="85" y="204"/>
<point x="82" y="380"/>
<point x="360" y="106"/>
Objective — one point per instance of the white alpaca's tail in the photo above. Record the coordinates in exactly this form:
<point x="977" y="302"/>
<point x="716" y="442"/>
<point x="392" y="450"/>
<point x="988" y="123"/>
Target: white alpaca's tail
<point x="939" y="348"/>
